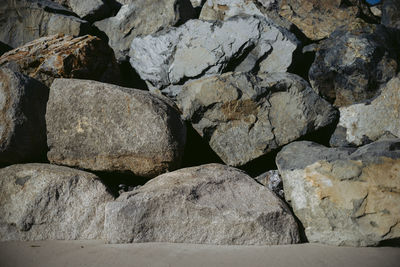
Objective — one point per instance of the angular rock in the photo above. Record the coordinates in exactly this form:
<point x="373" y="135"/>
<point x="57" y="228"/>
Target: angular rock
<point x="43" y="201"/>
<point x="391" y="13"/>
<point x="242" y="43"/>
<point x="196" y="3"/>
<point x="22" y="118"/>
<point x="105" y="127"/>
<point x="208" y="204"/>
<point x="56" y="56"/>
<point x="134" y="20"/>
<point x="90" y="10"/>
<point x="26" y="20"/>
<point x="244" y="117"/>
<point x="350" y="66"/>
<point x="367" y="122"/>
<point x="273" y="181"/>
<point x="341" y="196"/>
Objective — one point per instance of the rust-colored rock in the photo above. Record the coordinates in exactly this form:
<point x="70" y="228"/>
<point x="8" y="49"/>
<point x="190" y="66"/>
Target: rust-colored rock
<point x="63" y="56"/>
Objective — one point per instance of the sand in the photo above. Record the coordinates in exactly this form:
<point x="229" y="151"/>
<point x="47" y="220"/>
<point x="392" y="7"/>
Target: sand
<point x="99" y="254"/>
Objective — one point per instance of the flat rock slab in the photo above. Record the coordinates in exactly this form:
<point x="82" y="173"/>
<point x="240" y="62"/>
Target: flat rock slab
<point x="360" y="124"/>
<point x="210" y="204"/>
<point x="43" y="201"/>
<point x="344" y="196"/>
<point x="242" y="43"/>
<point x="63" y="56"/>
<point x="243" y="116"/>
<point x="105" y="127"/>
<point x="22" y="118"/>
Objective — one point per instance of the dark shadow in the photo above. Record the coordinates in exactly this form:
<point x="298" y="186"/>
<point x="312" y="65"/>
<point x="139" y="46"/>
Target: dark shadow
<point x="301" y="63"/>
<point x="261" y="164"/>
<point x="4" y="48"/>
<point x="130" y="78"/>
<point x="321" y="136"/>
<point x="394" y="242"/>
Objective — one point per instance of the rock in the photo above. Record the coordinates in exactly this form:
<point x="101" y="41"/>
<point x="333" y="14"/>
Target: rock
<point x="196" y="3"/>
<point x="243" y="116"/>
<point x="244" y="43"/>
<point x="367" y="122"/>
<point x="90" y="10"/>
<point x="350" y="66"/>
<point x="22" y="118"/>
<point x="47" y="58"/>
<point x="43" y="201"/>
<point x="23" y="21"/>
<point x="133" y="20"/>
<point x="376" y="10"/>
<point x="273" y="181"/>
<point x="391" y="13"/>
<point x="105" y="127"/>
<point x="208" y="204"/>
<point x="318" y="19"/>
<point x="344" y="197"/>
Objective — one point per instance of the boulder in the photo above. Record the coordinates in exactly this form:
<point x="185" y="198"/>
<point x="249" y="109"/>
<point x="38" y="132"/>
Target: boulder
<point x="351" y="65"/>
<point x="318" y="19"/>
<point x="196" y="3"/>
<point x="272" y="179"/>
<point x="134" y="20"/>
<point x="243" y="116"/>
<point x="367" y="122"/>
<point x="90" y="10"/>
<point x="105" y="127"/>
<point x="344" y="196"/>
<point x="391" y="13"/>
<point x="242" y="43"/>
<point x="23" y="21"/>
<point x="56" y="56"/>
<point x="208" y="204"/>
<point x="43" y="201"/>
<point x="22" y="118"/>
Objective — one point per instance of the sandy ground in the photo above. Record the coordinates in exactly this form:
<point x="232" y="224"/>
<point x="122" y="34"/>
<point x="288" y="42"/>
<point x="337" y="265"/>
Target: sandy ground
<point x="96" y="253"/>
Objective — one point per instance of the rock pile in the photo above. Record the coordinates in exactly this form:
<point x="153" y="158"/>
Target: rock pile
<point x="302" y="95"/>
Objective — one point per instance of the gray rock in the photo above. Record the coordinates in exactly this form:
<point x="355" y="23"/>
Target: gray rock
<point x="244" y="117"/>
<point x="391" y="13"/>
<point x="105" y="127"/>
<point x="196" y="3"/>
<point x="140" y="18"/>
<point x="60" y="56"/>
<point x="90" y="10"/>
<point x="26" y="20"/>
<point x="22" y="118"/>
<point x="176" y="55"/>
<point x="273" y="181"/>
<point x="350" y="66"/>
<point x="43" y="201"/>
<point x="341" y="196"/>
<point x="209" y="204"/>
<point x="363" y="123"/>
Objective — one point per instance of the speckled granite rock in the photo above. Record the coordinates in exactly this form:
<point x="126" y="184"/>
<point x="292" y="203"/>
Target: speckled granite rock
<point x="391" y="13"/>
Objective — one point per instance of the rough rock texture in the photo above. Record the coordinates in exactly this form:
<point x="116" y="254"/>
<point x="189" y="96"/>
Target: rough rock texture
<point x="196" y="3"/>
<point x="90" y="10"/>
<point x="210" y="204"/>
<point x="363" y="123"/>
<point x="244" y="116"/>
<point x="242" y="43"/>
<point x="391" y="13"/>
<point x="22" y="118"/>
<point x="140" y="18"/>
<point x="23" y="21"/>
<point x="56" y="56"/>
<point x="273" y="181"/>
<point x="105" y="127"/>
<point x="344" y="197"/>
<point x="318" y="19"/>
<point x="43" y="201"/>
<point x="350" y="65"/>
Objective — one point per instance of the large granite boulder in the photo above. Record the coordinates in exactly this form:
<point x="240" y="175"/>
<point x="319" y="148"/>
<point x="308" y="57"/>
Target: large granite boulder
<point x="367" y="122"/>
<point x="243" y="116"/>
<point x="22" y="118"/>
<point x="42" y="201"/>
<point x="242" y="43"/>
<point x="391" y="13"/>
<point x="351" y="65"/>
<point x="209" y="204"/>
<point x="140" y="18"/>
<point x="60" y="56"/>
<point x="23" y="21"/>
<point x="105" y="127"/>
<point x="341" y="195"/>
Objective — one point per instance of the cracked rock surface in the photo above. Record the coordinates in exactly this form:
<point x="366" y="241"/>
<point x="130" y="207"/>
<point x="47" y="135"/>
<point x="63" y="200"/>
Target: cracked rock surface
<point x="344" y="196"/>
<point x="208" y="204"/>
<point x="243" y="116"/>
<point x="43" y="201"/>
<point x="242" y="43"/>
